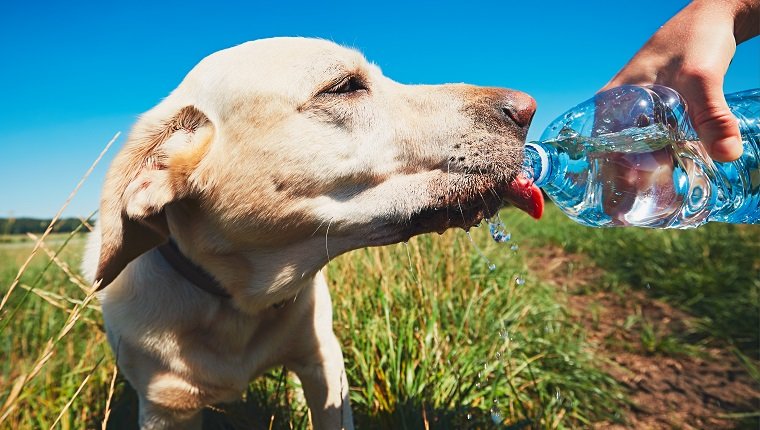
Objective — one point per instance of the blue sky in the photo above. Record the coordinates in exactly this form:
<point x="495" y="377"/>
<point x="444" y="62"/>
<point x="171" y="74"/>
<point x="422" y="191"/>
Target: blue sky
<point x="74" y="73"/>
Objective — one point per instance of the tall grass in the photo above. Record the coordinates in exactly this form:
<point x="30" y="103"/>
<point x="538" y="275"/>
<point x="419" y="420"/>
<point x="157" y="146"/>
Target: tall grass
<point x="51" y="341"/>
<point x="431" y="338"/>
<point x="438" y="339"/>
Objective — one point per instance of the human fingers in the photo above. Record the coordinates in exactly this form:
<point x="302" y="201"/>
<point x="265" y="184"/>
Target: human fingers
<point x="716" y="126"/>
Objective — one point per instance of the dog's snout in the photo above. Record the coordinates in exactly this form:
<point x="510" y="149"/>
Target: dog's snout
<point x="518" y="107"/>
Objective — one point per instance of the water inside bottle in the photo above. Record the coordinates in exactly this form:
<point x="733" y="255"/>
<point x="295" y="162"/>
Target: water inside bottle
<point x="633" y="177"/>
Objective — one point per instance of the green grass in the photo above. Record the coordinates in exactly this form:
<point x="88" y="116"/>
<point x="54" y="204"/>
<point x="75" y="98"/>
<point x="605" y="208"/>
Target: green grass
<point x="429" y="334"/>
<point x="439" y="332"/>
<point x="431" y="337"/>
<point x="29" y="323"/>
<point x="712" y="272"/>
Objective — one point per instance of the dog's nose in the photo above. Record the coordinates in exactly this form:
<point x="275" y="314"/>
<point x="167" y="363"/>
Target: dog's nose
<point x="519" y="107"/>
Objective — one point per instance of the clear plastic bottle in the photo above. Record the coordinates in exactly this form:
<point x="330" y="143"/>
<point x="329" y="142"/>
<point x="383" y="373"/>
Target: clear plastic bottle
<point x="630" y="157"/>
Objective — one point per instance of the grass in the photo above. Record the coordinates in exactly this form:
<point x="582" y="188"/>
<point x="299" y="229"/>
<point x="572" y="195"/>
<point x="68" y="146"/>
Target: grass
<point x="444" y="335"/>
<point x="40" y="372"/>
<point x="712" y="272"/>
<point x="431" y="337"/>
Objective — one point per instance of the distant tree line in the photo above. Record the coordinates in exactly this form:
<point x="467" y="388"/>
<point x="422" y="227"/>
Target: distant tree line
<point x="34" y="225"/>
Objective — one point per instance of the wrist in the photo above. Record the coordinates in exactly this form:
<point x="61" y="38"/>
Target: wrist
<point x="747" y="20"/>
<point x="744" y="15"/>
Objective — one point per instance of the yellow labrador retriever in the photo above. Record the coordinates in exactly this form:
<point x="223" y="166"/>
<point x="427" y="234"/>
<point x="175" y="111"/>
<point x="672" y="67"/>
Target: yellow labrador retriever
<point x="231" y="194"/>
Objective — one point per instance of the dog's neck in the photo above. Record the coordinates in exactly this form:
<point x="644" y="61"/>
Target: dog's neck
<point x="256" y="277"/>
<point x="191" y="271"/>
<point x="197" y="275"/>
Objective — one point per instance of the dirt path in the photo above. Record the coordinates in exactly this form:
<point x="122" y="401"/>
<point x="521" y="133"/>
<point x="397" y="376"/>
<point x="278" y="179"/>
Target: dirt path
<point x="671" y="384"/>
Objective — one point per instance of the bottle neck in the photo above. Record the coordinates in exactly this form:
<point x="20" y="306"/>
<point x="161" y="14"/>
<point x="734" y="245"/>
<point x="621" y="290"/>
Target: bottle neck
<point x="536" y="164"/>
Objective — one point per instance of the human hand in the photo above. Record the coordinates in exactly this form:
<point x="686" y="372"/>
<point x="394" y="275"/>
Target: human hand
<point x="691" y="54"/>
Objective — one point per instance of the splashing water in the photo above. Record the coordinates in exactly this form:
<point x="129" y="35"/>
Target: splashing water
<point x="499" y="234"/>
<point x="498" y="230"/>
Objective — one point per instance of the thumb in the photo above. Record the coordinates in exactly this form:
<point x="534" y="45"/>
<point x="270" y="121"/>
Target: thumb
<point x="716" y="126"/>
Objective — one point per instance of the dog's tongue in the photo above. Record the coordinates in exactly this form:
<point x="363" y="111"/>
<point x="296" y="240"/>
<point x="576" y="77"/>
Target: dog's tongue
<point x="524" y="194"/>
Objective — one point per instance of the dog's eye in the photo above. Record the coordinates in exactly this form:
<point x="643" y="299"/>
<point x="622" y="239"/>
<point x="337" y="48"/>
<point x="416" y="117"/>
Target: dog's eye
<point x="349" y="84"/>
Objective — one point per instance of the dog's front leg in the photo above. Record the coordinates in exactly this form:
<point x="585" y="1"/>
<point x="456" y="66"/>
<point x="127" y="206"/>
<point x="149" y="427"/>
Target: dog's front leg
<point x="326" y="387"/>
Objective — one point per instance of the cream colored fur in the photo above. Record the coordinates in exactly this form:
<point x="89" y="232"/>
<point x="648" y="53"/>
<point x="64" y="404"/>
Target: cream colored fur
<point x="262" y="167"/>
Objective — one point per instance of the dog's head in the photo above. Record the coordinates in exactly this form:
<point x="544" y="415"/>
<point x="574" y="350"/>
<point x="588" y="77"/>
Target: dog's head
<point x="297" y="150"/>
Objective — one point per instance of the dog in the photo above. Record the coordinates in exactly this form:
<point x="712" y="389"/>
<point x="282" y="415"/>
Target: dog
<point x="229" y="196"/>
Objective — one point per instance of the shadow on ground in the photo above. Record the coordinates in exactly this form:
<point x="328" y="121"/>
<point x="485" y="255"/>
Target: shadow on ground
<point x="259" y="413"/>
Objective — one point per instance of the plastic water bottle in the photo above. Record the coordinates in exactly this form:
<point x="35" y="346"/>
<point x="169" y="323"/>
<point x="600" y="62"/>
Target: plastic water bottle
<point x="630" y="157"/>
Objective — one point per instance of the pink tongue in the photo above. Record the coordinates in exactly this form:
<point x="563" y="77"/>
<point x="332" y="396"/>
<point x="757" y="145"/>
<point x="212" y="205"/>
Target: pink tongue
<point x="524" y="194"/>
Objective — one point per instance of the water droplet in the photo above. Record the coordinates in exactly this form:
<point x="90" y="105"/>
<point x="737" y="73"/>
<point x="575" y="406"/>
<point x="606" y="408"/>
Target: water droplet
<point x="498" y="231"/>
<point x="557" y="395"/>
<point x="469" y="416"/>
<point x="496" y="415"/>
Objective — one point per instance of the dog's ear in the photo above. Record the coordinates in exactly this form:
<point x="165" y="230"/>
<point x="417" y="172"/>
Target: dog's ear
<point x="150" y="172"/>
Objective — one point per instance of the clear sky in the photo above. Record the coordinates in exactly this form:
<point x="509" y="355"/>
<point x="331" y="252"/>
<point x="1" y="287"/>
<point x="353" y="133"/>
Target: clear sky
<point x="74" y="73"/>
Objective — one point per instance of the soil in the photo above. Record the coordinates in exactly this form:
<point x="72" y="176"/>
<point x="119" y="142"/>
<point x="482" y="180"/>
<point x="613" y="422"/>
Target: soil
<point x="704" y="387"/>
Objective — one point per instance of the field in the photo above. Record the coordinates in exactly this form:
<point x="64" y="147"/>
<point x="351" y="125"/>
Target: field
<point x="572" y="328"/>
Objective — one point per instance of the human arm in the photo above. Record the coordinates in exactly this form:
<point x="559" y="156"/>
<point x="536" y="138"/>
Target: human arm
<point x="691" y="54"/>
